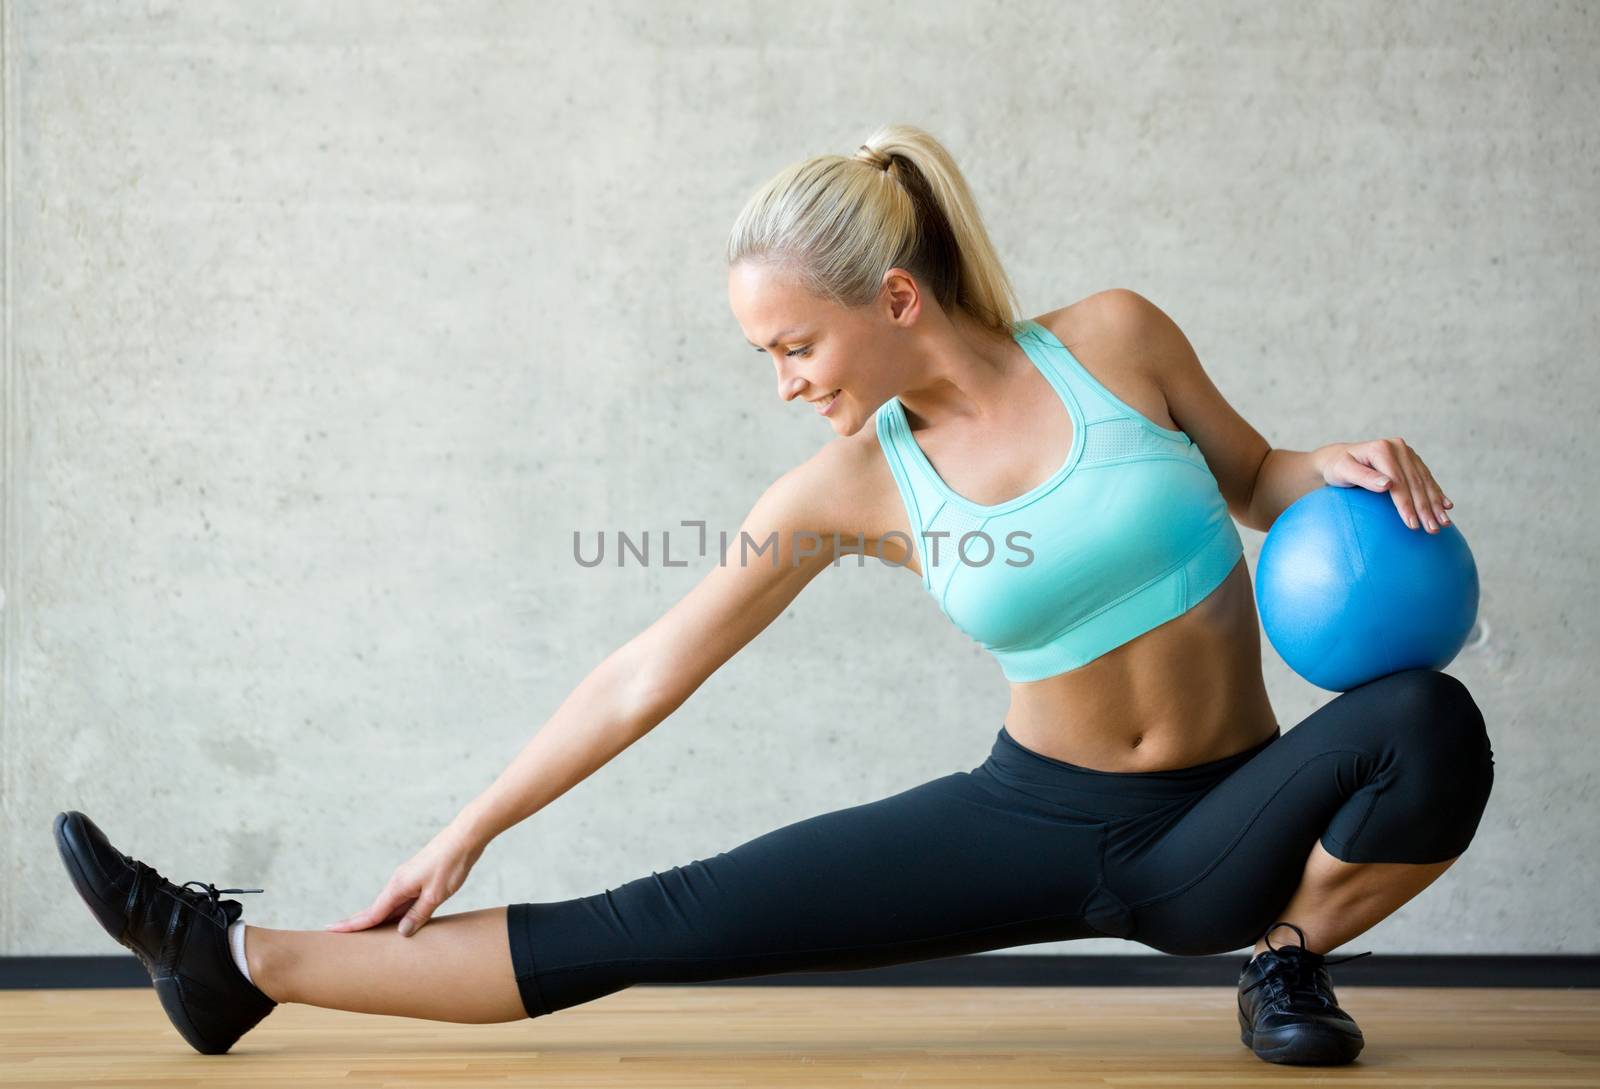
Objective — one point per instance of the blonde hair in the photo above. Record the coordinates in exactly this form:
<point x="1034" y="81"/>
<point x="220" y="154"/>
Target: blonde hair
<point x="840" y="222"/>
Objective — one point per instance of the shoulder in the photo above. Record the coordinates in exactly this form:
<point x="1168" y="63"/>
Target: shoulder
<point x="838" y="489"/>
<point x="1117" y="316"/>
<point x="1124" y="342"/>
<point x="1130" y="341"/>
<point x="1141" y="345"/>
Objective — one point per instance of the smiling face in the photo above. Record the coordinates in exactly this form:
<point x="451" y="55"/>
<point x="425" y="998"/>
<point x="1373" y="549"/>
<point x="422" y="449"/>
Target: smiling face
<point x="818" y="347"/>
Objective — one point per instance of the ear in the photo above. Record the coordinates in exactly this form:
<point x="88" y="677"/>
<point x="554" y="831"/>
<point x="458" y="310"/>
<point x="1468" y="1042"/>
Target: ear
<point x="901" y="297"/>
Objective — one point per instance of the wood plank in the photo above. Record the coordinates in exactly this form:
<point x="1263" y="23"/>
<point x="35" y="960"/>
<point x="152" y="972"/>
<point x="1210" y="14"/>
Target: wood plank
<point x="702" y="1037"/>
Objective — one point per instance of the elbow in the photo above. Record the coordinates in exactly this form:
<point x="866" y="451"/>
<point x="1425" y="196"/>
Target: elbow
<point x="1245" y="516"/>
<point x="1248" y="515"/>
<point x="1243" y="512"/>
<point x="650" y="701"/>
<point x="641" y="692"/>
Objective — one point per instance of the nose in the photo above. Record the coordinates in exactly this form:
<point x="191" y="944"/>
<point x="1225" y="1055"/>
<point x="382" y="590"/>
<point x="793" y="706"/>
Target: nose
<point x="789" y="387"/>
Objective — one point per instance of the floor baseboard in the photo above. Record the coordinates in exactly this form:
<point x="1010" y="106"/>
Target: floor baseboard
<point x="1000" y="970"/>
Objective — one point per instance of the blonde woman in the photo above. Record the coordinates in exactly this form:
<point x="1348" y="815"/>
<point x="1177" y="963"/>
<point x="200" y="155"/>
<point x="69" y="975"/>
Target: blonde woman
<point x="1066" y="488"/>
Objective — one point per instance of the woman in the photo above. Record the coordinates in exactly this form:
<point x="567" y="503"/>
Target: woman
<point x="1140" y="786"/>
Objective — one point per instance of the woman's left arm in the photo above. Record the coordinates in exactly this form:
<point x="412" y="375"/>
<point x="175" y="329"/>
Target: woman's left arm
<point x="1258" y="481"/>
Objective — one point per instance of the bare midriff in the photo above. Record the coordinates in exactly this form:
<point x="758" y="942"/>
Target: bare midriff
<point x="1185" y="693"/>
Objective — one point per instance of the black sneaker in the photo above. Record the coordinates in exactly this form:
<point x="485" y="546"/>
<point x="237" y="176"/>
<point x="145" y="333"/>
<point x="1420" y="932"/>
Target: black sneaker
<point x="1288" y="1012"/>
<point x="179" y="934"/>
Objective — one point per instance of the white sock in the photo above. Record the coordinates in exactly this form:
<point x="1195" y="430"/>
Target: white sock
<point x="236" y="946"/>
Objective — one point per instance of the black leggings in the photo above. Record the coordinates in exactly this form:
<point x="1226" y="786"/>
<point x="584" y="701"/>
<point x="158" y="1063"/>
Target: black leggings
<point x="1026" y="849"/>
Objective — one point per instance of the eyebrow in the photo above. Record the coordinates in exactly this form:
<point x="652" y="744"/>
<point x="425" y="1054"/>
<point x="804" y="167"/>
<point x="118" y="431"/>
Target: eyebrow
<point x="777" y="340"/>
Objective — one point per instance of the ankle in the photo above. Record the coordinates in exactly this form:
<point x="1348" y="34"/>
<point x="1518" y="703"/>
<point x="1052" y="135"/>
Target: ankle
<point x="1294" y="934"/>
<point x="265" y="958"/>
<point x="1261" y="947"/>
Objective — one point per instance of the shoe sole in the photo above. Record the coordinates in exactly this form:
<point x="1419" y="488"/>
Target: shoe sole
<point x="1303" y="1045"/>
<point x="172" y="1001"/>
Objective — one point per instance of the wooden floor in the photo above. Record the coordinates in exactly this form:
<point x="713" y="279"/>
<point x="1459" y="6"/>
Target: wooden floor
<point x="704" y="1037"/>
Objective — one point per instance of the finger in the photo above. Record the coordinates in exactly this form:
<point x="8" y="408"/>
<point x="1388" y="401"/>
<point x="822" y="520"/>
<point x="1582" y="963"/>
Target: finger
<point x="383" y="908"/>
<point x="1385" y="457"/>
<point x="1360" y="472"/>
<point x="1356" y="470"/>
<point x="419" y="913"/>
<point x="1421" y="501"/>
<point x="1412" y="509"/>
<point x="1435" y="493"/>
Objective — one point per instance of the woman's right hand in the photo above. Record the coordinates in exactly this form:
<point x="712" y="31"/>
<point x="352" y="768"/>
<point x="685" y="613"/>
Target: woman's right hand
<point x="420" y="884"/>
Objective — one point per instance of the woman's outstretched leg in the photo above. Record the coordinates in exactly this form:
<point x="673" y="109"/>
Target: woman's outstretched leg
<point x="455" y="968"/>
<point x="960" y="864"/>
<point x="957" y="865"/>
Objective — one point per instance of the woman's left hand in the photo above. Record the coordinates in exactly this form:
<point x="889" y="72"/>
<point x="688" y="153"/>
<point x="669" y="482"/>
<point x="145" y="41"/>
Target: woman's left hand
<point x="1391" y="465"/>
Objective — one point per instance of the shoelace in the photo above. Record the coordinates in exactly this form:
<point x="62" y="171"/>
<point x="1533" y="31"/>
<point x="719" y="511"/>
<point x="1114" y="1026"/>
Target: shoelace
<point x="1294" y="975"/>
<point x="204" y="900"/>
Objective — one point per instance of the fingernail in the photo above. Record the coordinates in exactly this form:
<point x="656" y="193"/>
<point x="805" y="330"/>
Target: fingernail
<point x="1383" y="482"/>
<point x="405" y="930"/>
<point x="1445" y="519"/>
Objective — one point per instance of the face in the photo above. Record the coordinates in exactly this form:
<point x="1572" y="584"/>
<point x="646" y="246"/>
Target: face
<point x="819" y="349"/>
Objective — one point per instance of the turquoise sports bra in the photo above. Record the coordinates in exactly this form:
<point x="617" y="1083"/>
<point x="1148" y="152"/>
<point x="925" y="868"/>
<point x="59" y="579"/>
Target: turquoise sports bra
<point x="1129" y="533"/>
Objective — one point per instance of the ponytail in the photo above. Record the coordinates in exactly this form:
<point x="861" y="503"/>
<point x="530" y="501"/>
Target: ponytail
<point x="840" y="223"/>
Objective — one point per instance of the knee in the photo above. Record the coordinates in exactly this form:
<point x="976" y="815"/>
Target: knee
<point x="1434" y="712"/>
<point x="1445" y="761"/>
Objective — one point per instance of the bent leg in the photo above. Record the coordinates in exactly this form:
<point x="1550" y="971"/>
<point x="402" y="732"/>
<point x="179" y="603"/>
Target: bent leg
<point x="1398" y="770"/>
<point x="955" y="865"/>
<point x="1336" y="901"/>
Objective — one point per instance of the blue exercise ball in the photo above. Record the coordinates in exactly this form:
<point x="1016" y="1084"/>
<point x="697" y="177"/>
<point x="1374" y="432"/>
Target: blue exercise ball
<point x="1348" y="592"/>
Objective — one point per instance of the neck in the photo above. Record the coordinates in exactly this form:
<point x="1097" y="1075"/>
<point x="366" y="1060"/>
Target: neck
<point x="960" y="370"/>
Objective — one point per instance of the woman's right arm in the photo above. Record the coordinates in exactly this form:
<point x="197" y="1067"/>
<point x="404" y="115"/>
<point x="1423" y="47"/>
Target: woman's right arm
<point x="643" y="681"/>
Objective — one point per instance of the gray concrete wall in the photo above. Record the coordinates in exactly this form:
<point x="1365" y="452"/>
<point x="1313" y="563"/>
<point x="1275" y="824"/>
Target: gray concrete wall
<point x="326" y="325"/>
